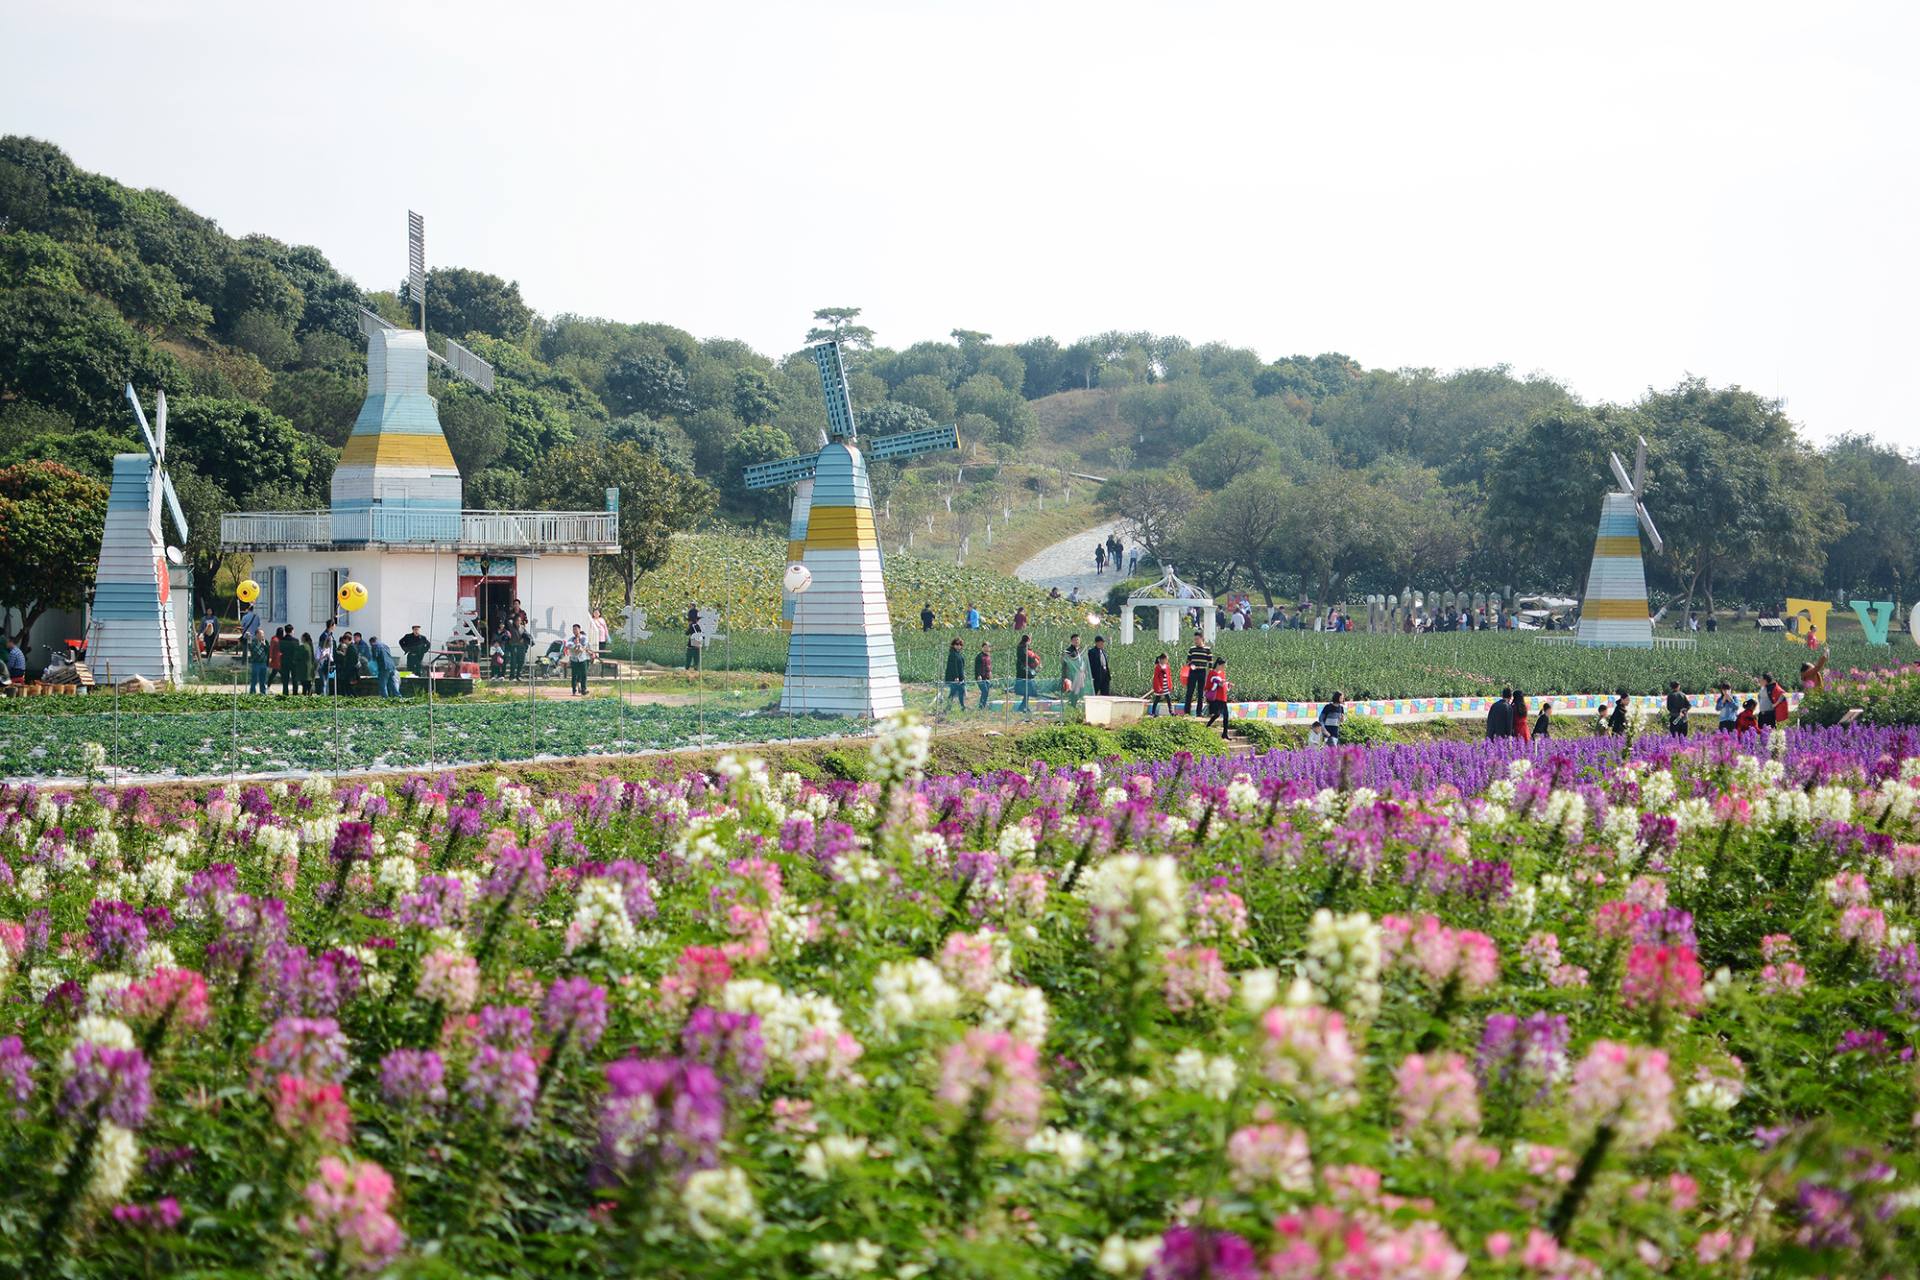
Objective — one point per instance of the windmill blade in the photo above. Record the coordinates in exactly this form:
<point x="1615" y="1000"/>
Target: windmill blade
<point x="467" y="365"/>
<point x="911" y="444"/>
<point x="1646" y="522"/>
<point x="771" y="475"/>
<point x="173" y="505"/>
<point x="1620" y="472"/>
<point x="1640" y="466"/>
<point x="140" y="415"/>
<point x="370" y="323"/>
<point x="160" y="422"/>
<point x="833" y="385"/>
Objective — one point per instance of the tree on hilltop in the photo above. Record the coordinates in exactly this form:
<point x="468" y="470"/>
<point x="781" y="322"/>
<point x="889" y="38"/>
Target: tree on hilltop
<point x="837" y="323"/>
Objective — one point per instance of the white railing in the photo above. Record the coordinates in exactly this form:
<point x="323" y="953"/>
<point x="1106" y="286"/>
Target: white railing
<point x="539" y="528"/>
<point x="272" y="528"/>
<point x="479" y="530"/>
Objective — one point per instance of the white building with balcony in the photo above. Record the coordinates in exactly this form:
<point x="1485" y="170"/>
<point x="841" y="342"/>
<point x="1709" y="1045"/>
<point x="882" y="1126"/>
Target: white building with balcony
<point x="396" y="526"/>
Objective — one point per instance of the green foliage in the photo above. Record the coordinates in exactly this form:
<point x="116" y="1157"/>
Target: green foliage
<point x="29" y="432"/>
<point x="648" y="383"/>
<point x="749" y="446"/>
<point x="1154" y="505"/>
<point x="74" y="353"/>
<point x="1367" y="731"/>
<point x="245" y="448"/>
<point x="664" y="441"/>
<point x="462" y="302"/>
<point x="1227" y="455"/>
<point x="742" y="574"/>
<point x="838" y="323"/>
<point x="755" y="398"/>
<point x="1164" y="737"/>
<point x="50" y="519"/>
<point x="891" y="416"/>
<point x="655" y="501"/>
<point x="1069" y="744"/>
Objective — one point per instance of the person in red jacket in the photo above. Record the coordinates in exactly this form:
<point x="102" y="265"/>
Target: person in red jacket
<point x="1162" y="687"/>
<point x="1217" y="690"/>
<point x="1747" y="721"/>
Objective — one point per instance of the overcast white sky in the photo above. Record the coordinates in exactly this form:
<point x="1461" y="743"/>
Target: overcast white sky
<point x="1616" y="195"/>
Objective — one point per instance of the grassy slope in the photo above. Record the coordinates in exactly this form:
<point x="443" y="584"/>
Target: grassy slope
<point x="741" y="574"/>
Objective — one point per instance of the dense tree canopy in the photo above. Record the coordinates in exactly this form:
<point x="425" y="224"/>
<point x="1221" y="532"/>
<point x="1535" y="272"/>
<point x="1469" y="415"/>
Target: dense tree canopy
<point x="50" y="519"/>
<point x="655" y="502"/>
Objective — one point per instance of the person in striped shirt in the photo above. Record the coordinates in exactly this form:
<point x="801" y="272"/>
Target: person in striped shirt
<point x="1199" y="662"/>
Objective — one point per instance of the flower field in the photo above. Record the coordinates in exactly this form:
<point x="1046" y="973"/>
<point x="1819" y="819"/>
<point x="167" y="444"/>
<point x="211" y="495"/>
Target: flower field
<point x="52" y="736"/>
<point x="1295" y="665"/>
<point x="1884" y="695"/>
<point x="1436" y="1010"/>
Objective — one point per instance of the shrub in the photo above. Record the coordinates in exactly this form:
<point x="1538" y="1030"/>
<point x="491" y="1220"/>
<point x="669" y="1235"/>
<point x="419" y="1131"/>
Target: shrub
<point x="1163" y="737"/>
<point x="1366" y="731"/>
<point x="844" y="766"/>
<point x="1068" y="744"/>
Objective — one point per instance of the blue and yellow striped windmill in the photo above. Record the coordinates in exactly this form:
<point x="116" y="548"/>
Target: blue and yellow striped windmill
<point x="840" y="657"/>
<point x="131" y="629"/>
<point x="1614" y="612"/>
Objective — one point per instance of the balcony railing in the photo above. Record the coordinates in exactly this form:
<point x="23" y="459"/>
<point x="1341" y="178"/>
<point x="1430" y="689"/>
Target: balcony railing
<point x="529" y="531"/>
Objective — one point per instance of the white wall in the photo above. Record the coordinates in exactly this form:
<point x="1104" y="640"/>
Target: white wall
<point x="553" y="591"/>
<point x="405" y="588"/>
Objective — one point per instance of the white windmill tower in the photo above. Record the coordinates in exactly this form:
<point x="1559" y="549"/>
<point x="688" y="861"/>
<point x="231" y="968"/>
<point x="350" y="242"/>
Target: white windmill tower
<point x="1614" y="612"/>
<point x="132" y="629"/>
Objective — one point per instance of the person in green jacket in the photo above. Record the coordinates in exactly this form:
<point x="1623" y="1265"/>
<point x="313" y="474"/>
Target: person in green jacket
<point x="957" y="674"/>
<point x="1073" y="671"/>
<point x="302" y="656"/>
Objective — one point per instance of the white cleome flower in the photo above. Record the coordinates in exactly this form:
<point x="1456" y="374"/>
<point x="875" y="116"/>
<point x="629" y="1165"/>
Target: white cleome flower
<point x="1126" y="1258"/>
<point x="909" y="993"/>
<point x="1020" y="1011"/>
<point x="719" y="1202"/>
<point x="843" y="1261"/>
<point x="1209" y="1076"/>
<point x="822" y="1158"/>
<point x="1134" y="895"/>
<point x="899" y="753"/>
<point x="1070" y="1148"/>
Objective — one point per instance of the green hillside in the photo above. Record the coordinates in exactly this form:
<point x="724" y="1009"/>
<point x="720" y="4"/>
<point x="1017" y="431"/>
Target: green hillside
<point x="1304" y="473"/>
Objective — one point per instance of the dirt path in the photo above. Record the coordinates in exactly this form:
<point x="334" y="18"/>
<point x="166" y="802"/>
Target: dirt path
<point x="1069" y="563"/>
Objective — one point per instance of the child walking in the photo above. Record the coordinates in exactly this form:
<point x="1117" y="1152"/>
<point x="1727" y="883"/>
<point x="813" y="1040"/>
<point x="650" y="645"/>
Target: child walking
<point x="1162" y="690"/>
<point x="1217" y="690"/>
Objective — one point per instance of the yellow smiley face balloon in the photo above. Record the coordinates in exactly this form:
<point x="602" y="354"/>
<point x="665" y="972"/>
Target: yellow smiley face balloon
<point x="248" y="591"/>
<point x="352" y="596"/>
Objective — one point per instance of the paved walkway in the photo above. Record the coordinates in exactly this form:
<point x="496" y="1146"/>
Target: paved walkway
<point x="1069" y="564"/>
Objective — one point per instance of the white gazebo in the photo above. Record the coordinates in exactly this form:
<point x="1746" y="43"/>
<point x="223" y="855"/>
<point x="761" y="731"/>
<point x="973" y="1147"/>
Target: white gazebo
<point x="1171" y="597"/>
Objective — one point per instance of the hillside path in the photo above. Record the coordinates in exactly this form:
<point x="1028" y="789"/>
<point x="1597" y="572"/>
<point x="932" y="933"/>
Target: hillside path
<point x="1069" y="563"/>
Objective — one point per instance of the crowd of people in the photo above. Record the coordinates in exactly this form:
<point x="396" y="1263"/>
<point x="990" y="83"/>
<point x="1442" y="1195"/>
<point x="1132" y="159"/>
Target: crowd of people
<point x="336" y="660"/>
<point x="1201" y="685"/>
<point x="331" y="663"/>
